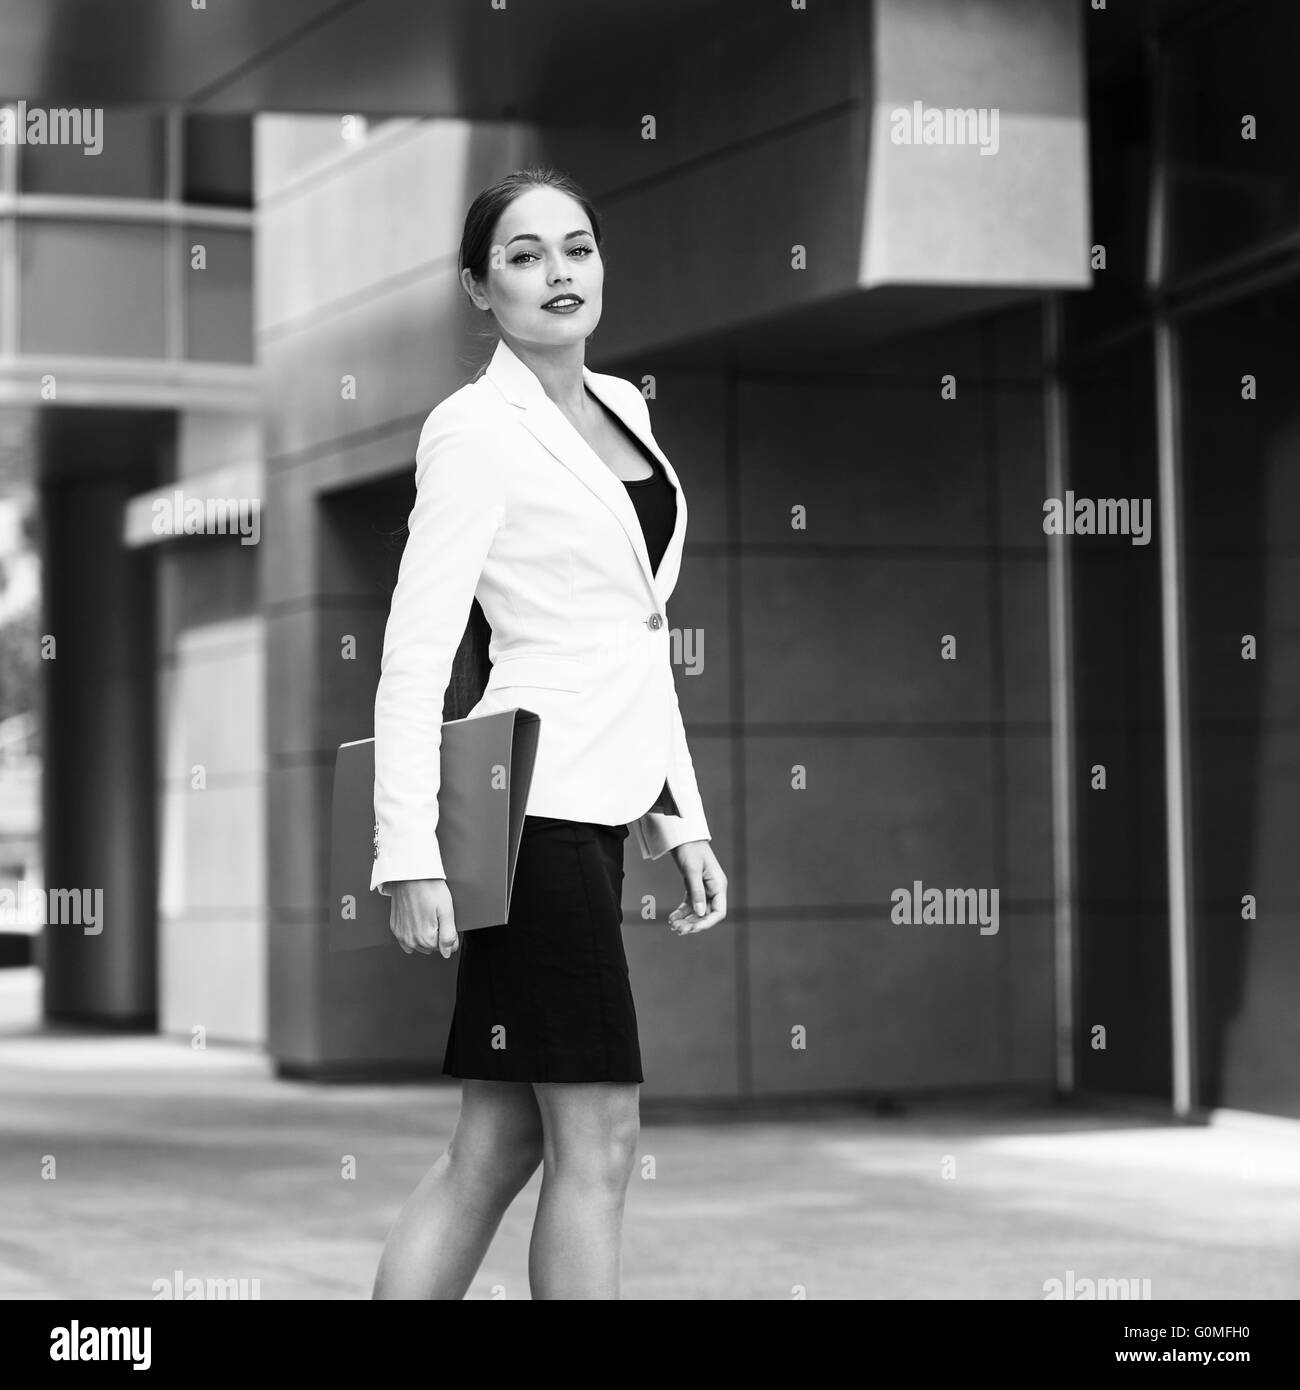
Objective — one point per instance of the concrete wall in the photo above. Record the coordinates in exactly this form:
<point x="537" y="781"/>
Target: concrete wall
<point x="212" y="702"/>
<point x="822" y="651"/>
<point x="781" y="140"/>
<point x="947" y="213"/>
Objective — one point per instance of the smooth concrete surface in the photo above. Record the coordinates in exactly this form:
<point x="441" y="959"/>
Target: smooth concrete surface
<point x="210" y="791"/>
<point x="1023" y="214"/>
<point x="167" y="1158"/>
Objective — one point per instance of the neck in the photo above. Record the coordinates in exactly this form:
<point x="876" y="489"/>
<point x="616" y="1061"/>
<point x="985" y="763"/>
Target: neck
<point x="559" y="369"/>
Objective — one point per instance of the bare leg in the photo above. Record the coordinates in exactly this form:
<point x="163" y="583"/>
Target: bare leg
<point x="442" y="1233"/>
<point x="591" y="1130"/>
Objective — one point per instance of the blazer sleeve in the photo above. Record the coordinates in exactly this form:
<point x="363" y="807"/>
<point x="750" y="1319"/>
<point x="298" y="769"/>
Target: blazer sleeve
<point x="459" y="505"/>
<point x="657" y="832"/>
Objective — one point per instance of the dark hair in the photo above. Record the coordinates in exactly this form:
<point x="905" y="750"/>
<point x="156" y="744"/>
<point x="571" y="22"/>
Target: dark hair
<point x="485" y="211"/>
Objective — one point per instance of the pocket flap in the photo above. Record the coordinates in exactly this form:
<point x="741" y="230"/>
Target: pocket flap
<point x="550" y="672"/>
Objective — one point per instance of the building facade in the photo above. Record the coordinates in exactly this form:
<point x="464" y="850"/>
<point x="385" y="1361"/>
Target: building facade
<point x="897" y="279"/>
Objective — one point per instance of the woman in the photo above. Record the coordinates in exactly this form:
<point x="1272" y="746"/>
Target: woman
<point x="540" y="491"/>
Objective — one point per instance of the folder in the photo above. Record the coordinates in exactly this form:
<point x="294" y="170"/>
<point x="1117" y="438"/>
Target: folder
<point x="486" y="771"/>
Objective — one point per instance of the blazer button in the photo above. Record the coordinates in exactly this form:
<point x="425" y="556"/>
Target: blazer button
<point x="654" y="622"/>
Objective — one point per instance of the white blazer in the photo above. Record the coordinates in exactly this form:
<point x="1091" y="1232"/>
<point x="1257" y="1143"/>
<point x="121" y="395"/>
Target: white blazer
<point x="513" y="507"/>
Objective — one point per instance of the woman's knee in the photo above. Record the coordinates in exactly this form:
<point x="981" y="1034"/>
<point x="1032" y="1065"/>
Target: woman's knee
<point x="621" y="1148"/>
<point x="593" y="1142"/>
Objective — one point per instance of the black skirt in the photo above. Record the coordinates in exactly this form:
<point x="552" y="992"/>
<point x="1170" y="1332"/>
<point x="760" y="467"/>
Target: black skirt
<point x="546" y="996"/>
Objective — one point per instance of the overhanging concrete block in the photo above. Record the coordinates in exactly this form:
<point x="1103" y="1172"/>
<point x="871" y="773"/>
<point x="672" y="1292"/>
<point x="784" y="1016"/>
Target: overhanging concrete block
<point x="978" y="165"/>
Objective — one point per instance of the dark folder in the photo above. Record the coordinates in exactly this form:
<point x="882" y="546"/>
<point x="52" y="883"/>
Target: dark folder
<point x="486" y="771"/>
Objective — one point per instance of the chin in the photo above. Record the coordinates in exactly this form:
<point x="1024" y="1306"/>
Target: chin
<point x="574" y="329"/>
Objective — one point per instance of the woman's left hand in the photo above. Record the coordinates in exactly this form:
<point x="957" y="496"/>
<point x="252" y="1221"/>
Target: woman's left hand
<point x="706" y="888"/>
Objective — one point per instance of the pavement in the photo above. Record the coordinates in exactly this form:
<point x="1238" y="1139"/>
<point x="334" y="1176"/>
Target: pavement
<point x="125" y="1159"/>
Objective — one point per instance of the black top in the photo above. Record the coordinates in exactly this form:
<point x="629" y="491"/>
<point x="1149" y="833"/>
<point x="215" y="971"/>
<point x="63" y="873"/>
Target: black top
<point x="654" y="498"/>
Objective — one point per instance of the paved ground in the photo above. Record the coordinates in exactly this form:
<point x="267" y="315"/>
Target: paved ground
<point x="167" y="1159"/>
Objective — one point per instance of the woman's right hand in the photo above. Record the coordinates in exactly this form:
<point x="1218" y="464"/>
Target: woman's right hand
<point x="422" y="918"/>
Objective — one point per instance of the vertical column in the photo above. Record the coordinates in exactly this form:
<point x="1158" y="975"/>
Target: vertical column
<point x="1174" y="667"/>
<point x="1064" y="828"/>
<point x="98" y="787"/>
<point x="1172" y="614"/>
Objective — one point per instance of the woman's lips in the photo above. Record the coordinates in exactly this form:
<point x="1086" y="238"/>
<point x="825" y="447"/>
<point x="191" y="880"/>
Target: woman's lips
<point x="567" y="304"/>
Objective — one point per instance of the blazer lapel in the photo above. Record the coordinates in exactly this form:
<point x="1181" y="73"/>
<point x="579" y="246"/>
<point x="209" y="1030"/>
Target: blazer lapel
<point x="671" y="563"/>
<point x="550" y="427"/>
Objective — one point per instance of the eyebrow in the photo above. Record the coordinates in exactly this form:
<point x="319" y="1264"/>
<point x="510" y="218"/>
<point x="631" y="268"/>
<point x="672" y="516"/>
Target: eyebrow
<point x="532" y="236"/>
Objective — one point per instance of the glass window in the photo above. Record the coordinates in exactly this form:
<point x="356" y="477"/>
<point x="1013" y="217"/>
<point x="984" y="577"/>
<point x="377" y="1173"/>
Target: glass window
<point x="219" y="298"/>
<point x="218" y="160"/>
<point x="1119" y="178"/>
<point x="1242" y="508"/>
<point x="91" y="288"/>
<point x="1123" y="924"/>
<point x="1227" y="194"/>
<point x="130" y="163"/>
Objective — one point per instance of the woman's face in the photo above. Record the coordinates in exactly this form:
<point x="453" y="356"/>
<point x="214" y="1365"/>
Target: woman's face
<point x="542" y="251"/>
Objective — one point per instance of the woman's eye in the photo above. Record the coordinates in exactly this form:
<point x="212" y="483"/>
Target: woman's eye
<point x="523" y="256"/>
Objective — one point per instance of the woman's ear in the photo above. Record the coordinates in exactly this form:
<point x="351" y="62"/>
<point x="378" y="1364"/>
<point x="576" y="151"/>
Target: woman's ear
<point x="471" y="288"/>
